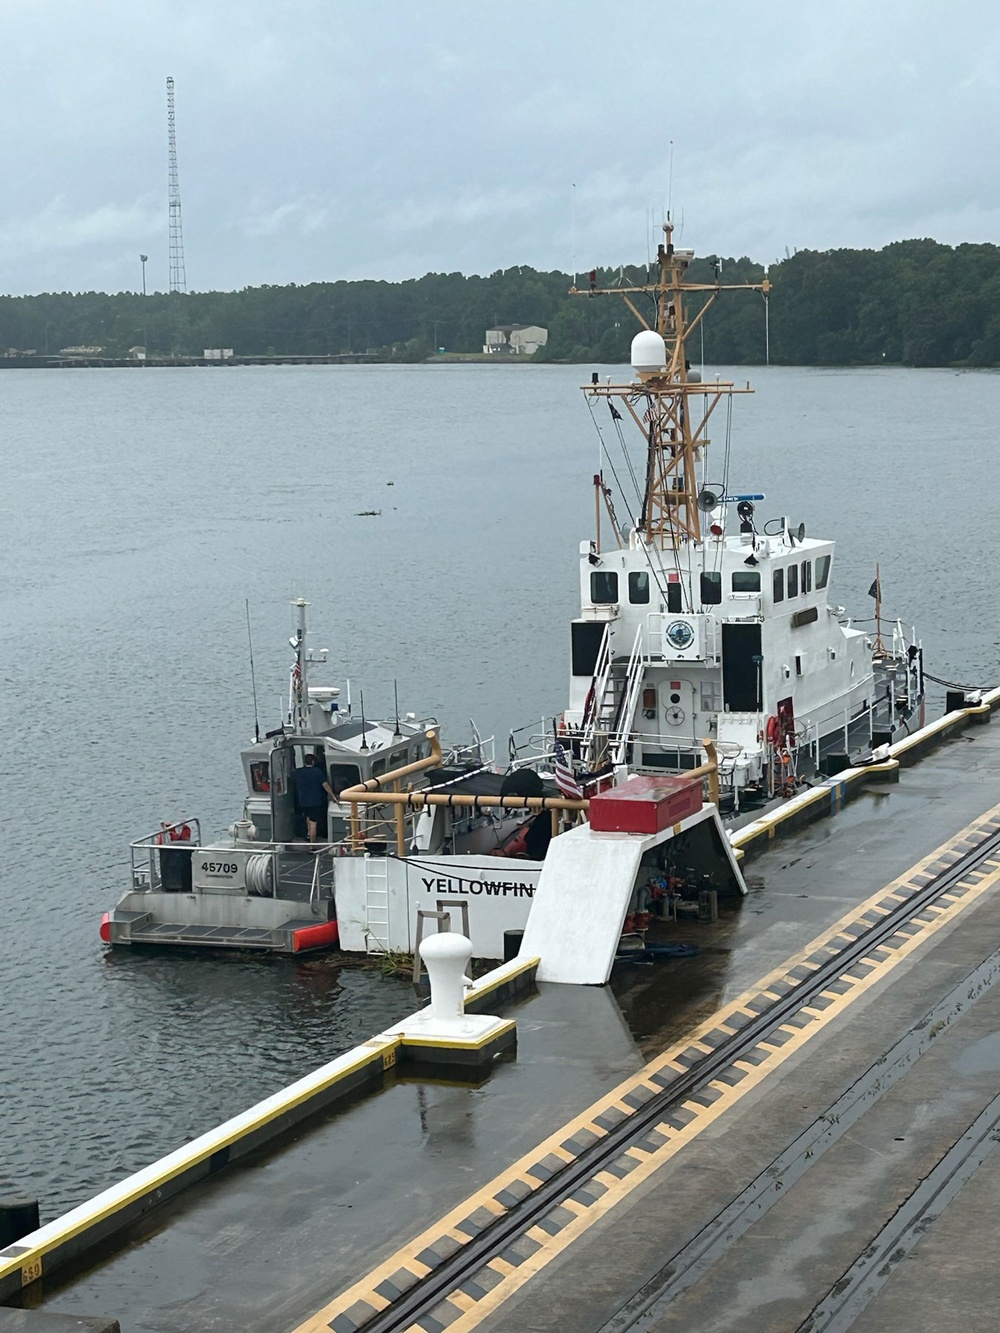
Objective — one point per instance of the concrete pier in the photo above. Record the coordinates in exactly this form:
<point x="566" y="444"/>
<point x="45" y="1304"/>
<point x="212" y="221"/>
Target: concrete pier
<point x="292" y="1237"/>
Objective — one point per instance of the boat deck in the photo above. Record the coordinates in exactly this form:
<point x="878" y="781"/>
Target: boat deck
<point x="287" y="1240"/>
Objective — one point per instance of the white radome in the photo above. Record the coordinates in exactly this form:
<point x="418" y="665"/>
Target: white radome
<point x="649" y="352"/>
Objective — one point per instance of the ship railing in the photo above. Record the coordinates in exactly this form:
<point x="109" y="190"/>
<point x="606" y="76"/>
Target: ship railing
<point x="634" y="676"/>
<point x="479" y="750"/>
<point x="323" y="874"/>
<point x="144" y="851"/>
<point x="528" y="745"/>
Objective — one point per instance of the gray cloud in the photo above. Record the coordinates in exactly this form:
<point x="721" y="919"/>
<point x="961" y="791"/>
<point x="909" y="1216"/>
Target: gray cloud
<point x="320" y="139"/>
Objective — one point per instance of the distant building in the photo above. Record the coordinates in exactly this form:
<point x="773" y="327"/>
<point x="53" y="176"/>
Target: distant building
<point x="81" y="351"/>
<point x="137" y="353"/>
<point x="515" y="339"/>
<point x="218" y="353"/>
<point x="16" y="352"/>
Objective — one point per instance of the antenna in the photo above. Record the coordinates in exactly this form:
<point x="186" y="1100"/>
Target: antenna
<point x="253" y="679"/>
<point x="364" y="729"/>
<point x="670" y="179"/>
<point x="395" y="695"/>
<point x="178" y="279"/>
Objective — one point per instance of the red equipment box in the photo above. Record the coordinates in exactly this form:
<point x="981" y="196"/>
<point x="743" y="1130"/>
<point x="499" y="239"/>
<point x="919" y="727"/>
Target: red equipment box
<point x="645" y="805"/>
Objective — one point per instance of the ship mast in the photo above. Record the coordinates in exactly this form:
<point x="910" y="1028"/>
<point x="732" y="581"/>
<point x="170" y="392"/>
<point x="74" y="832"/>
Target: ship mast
<point x="299" y="685"/>
<point x="661" y="403"/>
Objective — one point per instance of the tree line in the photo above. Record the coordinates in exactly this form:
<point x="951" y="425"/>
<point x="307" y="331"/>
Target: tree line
<point x="915" y="302"/>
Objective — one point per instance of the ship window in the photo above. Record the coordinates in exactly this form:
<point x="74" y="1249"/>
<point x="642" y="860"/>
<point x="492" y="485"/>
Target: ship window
<point x="779" y="585"/>
<point x="746" y="580"/>
<point x="343" y="775"/>
<point x="603" y="586"/>
<point x="798" y="665"/>
<point x="674" y="598"/>
<point x="260" y="775"/>
<point x="711" y="696"/>
<point x="822" y="571"/>
<point x="711" y="588"/>
<point x="793" y="580"/>
<point x="807" y="576"/>
<point x="638" y="587"/>
<point x="378" y="767"/>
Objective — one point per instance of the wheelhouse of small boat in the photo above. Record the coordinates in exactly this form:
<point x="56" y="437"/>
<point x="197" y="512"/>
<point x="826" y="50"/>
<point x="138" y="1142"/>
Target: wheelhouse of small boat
<point x="350" y="752"/>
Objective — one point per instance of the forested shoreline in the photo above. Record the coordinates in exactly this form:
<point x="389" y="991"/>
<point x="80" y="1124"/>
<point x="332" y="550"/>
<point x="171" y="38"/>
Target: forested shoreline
<point x="917" y="303"/>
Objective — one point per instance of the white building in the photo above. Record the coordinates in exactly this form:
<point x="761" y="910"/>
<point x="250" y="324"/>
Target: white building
<point x="515" y="339"/>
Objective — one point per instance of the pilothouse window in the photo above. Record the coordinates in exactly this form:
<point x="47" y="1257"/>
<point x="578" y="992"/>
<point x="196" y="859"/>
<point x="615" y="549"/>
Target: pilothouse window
<point x="638" y="587"/>
<point x="711" y="588"/>
<point x="603" y="586"/>
<point x="822" y="571"/>
<point x="746" y="580"/>
<point x="778" y="594"/>
<point x="793" y="580"/>
<point x="807" y="572"/>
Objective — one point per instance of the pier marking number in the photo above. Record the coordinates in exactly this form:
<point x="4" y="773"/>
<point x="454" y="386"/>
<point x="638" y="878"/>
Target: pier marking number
<point x="388" y="1057"/>
<point x="31" y="1272"/>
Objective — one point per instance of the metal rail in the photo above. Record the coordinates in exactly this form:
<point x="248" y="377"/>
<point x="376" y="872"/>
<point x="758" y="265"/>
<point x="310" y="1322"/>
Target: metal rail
<point x="436" y="1286"/>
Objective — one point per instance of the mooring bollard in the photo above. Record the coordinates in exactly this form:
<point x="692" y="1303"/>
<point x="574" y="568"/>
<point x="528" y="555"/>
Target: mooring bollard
<point x="18" y="1217"/>
<point x="446" y="957"/>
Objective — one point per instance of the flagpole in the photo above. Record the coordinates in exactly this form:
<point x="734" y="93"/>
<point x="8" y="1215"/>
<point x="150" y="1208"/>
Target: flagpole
<point x="879" y="645"/>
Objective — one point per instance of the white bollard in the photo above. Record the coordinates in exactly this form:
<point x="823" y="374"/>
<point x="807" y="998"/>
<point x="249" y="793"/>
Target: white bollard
<point x="446" y="957"/>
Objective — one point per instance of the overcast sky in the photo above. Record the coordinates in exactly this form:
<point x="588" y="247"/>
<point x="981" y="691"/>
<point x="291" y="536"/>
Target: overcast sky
<point x="321" y="139"/>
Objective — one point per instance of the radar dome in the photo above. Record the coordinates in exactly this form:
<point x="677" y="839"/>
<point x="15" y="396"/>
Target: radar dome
<point x="649" y="352"/>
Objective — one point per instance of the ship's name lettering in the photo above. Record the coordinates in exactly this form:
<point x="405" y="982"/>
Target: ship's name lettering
<point x="493" y="888"/>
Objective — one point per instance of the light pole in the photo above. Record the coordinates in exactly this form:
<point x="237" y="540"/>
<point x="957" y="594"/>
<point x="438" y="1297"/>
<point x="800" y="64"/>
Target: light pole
<point x="145" y="334"/>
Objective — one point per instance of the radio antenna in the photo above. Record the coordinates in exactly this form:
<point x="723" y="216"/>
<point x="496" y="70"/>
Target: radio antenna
<point x="253" y="678"/>
<point x="395" y="695"/>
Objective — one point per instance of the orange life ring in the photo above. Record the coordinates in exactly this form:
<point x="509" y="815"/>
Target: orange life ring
<point x="773" y="731"/>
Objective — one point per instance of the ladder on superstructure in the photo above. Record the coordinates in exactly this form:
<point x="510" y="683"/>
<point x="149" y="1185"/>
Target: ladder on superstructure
<point x="376" y="904"/>
<point x="607" y="722"/>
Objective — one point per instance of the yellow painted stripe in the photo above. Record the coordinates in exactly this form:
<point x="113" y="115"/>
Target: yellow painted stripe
<point x="619" y="1189"/>
<point x="500" y="976"/>
<point x="461" y="1043"/>
<point x="151" y="1178"/>
<point x="978" y="830"/>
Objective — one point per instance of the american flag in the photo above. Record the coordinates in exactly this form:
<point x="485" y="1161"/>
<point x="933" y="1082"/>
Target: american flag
<point x="565" y="777"/>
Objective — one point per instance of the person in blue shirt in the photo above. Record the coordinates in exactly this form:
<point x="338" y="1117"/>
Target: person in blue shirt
<point x="311" y="792"/>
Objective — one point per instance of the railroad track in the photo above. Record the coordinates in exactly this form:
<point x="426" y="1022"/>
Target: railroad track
<point x="408" y="1309"/>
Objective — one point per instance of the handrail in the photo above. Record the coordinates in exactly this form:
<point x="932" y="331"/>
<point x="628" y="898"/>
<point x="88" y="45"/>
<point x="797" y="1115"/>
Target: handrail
<point x="164" y="831"/>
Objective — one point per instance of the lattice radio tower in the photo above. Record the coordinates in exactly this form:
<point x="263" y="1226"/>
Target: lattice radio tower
<point x="178" y="279"/>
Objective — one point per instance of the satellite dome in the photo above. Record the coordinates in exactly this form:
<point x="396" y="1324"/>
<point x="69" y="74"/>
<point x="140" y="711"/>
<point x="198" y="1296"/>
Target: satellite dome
<point x="649" y="352"/>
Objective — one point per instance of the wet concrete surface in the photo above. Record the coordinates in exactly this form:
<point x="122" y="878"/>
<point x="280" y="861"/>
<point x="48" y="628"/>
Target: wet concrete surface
<point x="266" y="1243"/>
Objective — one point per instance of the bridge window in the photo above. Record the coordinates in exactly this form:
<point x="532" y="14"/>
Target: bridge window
<point x="260" y="775"/>
<point x="638" y="588"/>
<point x="746" y="580"/>
<point x="778" y="593"/>
<point x="822" y="571"/>
<point x="340" y="776"/>
<point x="603" y="586"/>
<point x="711" y="588"/>
<point x="793" y="580"/>
<point x="807" y="576"/>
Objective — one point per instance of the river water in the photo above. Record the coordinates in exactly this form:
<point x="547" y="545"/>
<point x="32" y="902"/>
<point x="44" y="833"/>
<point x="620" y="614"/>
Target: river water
<point x="140" y="509"/>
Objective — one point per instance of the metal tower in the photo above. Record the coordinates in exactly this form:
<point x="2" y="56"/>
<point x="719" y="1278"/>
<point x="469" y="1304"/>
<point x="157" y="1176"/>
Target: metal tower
<point x="178" y="279"/>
